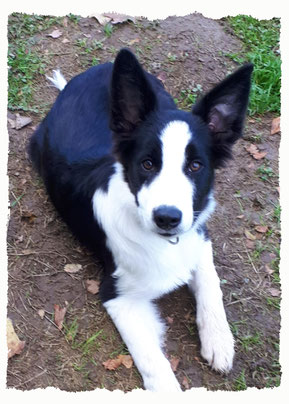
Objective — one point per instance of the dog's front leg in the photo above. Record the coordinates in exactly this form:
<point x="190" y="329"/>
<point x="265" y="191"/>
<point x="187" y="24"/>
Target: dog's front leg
<point x="217" y="343"/>
<point x="142" y="331"/>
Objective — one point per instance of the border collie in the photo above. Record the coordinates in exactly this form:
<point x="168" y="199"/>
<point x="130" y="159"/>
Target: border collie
<point x="132" y="176"/>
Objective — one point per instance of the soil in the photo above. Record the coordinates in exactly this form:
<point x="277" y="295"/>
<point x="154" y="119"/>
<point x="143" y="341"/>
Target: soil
<point x="184" y="52"/>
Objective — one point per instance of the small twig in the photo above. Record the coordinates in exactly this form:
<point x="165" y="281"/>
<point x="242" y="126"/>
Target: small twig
<point x="251" y="261"/>
<point x="29" y="380"/>
<point x="238" y="301"/>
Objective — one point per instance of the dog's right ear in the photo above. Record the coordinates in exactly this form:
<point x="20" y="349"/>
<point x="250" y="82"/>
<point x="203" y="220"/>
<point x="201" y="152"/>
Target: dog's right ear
<point x="131" y="96"/>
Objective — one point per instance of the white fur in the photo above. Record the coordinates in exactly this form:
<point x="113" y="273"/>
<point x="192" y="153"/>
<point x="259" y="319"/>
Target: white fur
<point x="217" y="343"/>
<point x="171" y="187"/>
<point x="148" y="266"/>
<point x="142" y="331"/>
<point x="57" y="80"/>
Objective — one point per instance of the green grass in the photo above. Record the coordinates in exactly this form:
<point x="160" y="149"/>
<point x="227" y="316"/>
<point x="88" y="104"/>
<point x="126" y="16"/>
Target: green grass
<point x="250" y="342"/>
<point x="24" y="64"/>
<point x="261" y="47"/>
<point x="240" y="382"/>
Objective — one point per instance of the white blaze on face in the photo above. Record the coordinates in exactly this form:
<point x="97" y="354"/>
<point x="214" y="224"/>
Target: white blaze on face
<point x="170" y="187"/>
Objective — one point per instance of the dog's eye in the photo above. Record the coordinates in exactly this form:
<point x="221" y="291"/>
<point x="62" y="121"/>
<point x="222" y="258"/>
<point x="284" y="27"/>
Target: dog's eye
<point x="147" y="164"/>
<point x="195" y="166"/>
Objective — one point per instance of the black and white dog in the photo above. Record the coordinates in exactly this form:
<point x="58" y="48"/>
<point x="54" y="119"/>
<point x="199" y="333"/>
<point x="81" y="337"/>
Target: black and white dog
<point x="132" y="176"/>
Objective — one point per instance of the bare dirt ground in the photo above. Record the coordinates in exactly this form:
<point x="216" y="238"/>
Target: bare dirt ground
<point x="184" y="52"/>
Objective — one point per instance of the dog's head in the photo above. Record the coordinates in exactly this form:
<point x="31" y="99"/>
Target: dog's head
<point x="169" y="156"/>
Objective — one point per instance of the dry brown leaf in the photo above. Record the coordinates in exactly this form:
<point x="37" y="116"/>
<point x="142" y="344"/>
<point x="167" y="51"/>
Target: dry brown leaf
<point x="100" y="18"/>
<point x="59" y="314"/>
<point x="162" y="76"/>
<point x="261" y="229"/>
<point x="170" y="320"/>
<point x="185" y="383"/>
<point x="269" y="270"/>
<point x="117" y="18"/>
<point x="133" y="41"/>
<point x="259" y="155"/>
<point x="55" y="34"/>
<point x="250" y="244"/>
<point x="72" y="268"/>
<point x="14" y="345"/>
<point x="21" y="121"/>
<point x="249" y="235"/>
<point x="174" y="363"/>
<point x="274" y="292"/>
<point x="127" y="361"/>
<point x="92" y="286"/>
<point x="275" y="127"/>
<point x="113" y="364"/>
<point x="28" y="217"/>
<point x="254" y="151"/>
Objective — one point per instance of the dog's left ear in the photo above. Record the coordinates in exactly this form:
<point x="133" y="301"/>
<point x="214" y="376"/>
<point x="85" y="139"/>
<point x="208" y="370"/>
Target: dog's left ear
<point x="224" y="109"/>
<point x="131" y="95"/>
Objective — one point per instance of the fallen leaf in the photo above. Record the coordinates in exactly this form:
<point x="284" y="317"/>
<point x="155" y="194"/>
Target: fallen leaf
<point x="59" y="315"/>
<point x="127" y="361"/>
<point x="259" y="155"/>
<point x="254" y="151"/>
<point x="21" y="121"/>
<point x="41" y="313"/>
<point x="162" y="77"/>
<point x="250" y="244"/>
<point x="28" y="217"/>
<point x="92" y="286"/>
<point x="116" y="18"/>
<point x="72" y="268"/>
<point x="185" y="383"/>
<point x="275" y="127"/>
<point x="65" y="40"/>
<point x="14" y="345"/>
<point x="133" y="41"/>
<point x="170" y="320"/>
<point x="274" y="292"/>
<point x="174" y="363"/>
<point x="249" y="235"/>
<point x="261" y="229"/>
<point x="113" y="364"/>
<point x="269" y="270"/>
<point x="12" y="123"/>
<point x="100" y="18"/>
<point x="55" y="34"/>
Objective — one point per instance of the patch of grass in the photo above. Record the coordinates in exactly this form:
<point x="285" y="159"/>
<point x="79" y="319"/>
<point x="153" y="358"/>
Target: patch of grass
<point x="89" y="46"/>
<point x="265" y="172"/>
<point x="274" y="302"/>
<point x="108" y="29"/>
<point x="249" y="342"/>
<point x="277" y="213"/>
<point x="23" y="25"/>
<point x="240" y="382"/>
<point x="261" y="47"/>
<point x="24" y="64"/>
<point x="188" y="97"/>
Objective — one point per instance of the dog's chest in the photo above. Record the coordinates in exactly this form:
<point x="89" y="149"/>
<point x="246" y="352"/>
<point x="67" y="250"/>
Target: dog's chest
<point x="145" y="262"/>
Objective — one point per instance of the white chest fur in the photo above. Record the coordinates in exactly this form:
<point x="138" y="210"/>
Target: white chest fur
<point x="146" y="263"/>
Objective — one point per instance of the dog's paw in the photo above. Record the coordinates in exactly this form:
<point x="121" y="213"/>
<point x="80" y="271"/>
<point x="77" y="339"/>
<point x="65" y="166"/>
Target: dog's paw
<point x="217" y="347"/>
<point x="163" y="381"/>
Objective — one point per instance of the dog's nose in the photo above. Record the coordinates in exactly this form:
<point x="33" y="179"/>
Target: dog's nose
<point x="167" y="217"/>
